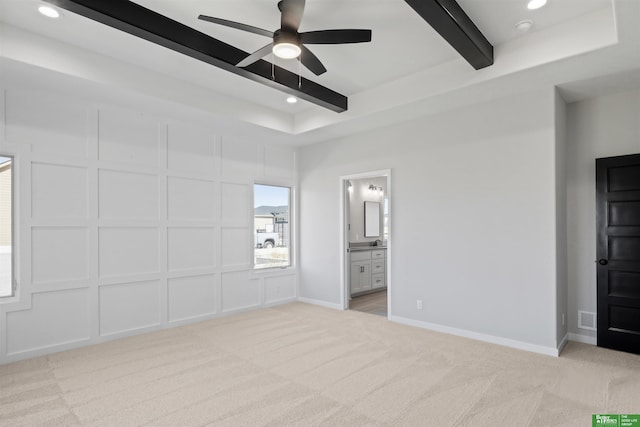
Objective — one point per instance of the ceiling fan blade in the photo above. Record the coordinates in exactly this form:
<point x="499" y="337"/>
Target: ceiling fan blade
<point x="311" y="61"/>
<point x="336" y="36"/>
<point x="292" y="11"/>
<point x="258" y="54"/>
<point x="237" y="25"/>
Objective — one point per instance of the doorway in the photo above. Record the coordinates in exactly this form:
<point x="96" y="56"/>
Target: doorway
<point x="618" y="252"/>
<point x="366" y="242"/>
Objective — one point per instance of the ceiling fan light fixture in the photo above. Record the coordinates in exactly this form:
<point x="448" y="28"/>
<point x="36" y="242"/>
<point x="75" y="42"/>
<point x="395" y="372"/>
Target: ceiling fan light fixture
<point x="286" y="50"/>
<point x="286" y="44"/>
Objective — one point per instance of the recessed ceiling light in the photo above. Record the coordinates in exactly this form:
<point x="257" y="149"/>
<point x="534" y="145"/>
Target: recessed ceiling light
<point x="49" y="12"/>
<point x="292" y="99"/>
<point x="536" y="4"/>
<point x="524" y="26"/>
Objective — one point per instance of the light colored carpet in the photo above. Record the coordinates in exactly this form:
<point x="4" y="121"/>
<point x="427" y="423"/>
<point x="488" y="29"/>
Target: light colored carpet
<point x="303" y="365"/>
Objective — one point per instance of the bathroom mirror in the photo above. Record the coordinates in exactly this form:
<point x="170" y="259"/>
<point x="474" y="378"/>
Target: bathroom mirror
<point x="371" y="219"/>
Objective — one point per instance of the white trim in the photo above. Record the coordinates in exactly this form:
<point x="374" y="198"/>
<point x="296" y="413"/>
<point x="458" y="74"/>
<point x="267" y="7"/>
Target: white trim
<point x="563" y="343"/>
<point x="584" y="339"/>
<point x="278" y="302"/>
<point x="191" y="319"/>
<point x="292" y="243"/>
<point x="243" y="308"/>
<point x="136" y="330"/>
<point x="344" y="241"/>
<point x="321" y="303"/>
<point x="12" y="251"/>
<point x="45" y="349"/>
<point x="520" y="345"/>
<point x="344" y="244"/>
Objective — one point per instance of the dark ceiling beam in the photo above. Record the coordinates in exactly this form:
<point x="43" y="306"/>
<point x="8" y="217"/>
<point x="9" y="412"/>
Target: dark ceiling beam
<point x="134" y="19"/>
<point x="453" y="24"/>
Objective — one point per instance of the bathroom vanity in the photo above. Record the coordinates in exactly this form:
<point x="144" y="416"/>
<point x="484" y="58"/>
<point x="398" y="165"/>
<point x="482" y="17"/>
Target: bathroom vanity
<point x="368" y="269"/>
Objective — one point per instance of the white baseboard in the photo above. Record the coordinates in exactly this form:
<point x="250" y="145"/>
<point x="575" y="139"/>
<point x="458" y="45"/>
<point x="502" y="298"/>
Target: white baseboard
<point x="563" y="343"/>
<point x="321" y="303"/>
<point x="520" y="345"/>
<point x="585" y="339"/>
<point x="280" y="302"/>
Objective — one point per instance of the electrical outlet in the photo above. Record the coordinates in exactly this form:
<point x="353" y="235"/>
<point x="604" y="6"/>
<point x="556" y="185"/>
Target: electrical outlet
<point x="419" y="304"/>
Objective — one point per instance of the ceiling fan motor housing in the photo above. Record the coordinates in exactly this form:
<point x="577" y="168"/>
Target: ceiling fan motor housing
<point x="284" y="36"/>
<point x="286" y="44"/>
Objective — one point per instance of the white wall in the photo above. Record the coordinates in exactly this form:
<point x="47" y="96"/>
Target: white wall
<point x="600" y="127"/>
<point x="135" y="215"/>
<point x="473" y="224"/>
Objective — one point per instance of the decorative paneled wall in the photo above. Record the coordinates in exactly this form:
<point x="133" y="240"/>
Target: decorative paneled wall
<point x="129" y="221"/>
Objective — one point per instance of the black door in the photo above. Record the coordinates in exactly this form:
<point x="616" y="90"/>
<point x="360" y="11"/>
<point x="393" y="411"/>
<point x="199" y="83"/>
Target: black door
<point x="618" y="252"/>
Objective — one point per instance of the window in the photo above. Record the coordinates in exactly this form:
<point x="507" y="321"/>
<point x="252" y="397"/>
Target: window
<point x="272" y="226"/>
<point x="6" y="226"/>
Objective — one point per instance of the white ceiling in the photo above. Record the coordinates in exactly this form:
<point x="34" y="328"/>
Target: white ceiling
<point x="404" y="49"/>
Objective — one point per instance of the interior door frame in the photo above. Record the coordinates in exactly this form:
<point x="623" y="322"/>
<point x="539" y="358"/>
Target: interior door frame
<point x="344" y="236"/>
<point x="607" y="337"/>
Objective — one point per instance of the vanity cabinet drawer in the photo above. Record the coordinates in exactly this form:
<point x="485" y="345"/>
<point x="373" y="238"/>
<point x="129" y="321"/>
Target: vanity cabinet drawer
<point x="377" y="266"/>
<point x="360" y="255"/>
<point x="377" y="281"/>
<point x="380" y="254"/>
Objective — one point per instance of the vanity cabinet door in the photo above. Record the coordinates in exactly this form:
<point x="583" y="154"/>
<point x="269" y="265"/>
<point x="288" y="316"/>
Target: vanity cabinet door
<point x="360" y="276"/>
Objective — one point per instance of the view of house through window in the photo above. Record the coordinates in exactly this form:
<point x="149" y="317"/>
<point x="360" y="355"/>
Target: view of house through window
<point x="6" y="234"/>
<point x="271" y="226"/>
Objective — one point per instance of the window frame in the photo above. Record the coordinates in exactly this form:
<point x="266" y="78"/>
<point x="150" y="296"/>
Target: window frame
<point x="13" y="278"/>
<point x="291" y="231"/>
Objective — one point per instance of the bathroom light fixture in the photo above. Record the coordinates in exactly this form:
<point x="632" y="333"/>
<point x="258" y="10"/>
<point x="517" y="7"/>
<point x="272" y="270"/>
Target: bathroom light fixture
<point x="536" y="4"/>
<point x="376" y="191"/>
<point x="292" y="99"/>
<point x="49" y="12"/>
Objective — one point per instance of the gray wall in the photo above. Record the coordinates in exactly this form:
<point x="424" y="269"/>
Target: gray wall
<point x="600" y="127"/>
<point x="473" y="225"/>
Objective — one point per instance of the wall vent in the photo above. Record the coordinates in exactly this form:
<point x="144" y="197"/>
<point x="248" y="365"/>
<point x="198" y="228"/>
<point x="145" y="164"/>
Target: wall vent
<point x="587" y="320"/>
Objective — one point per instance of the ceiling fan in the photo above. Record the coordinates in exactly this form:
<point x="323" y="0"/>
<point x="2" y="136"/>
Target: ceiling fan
<point x="287" y="42"/>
